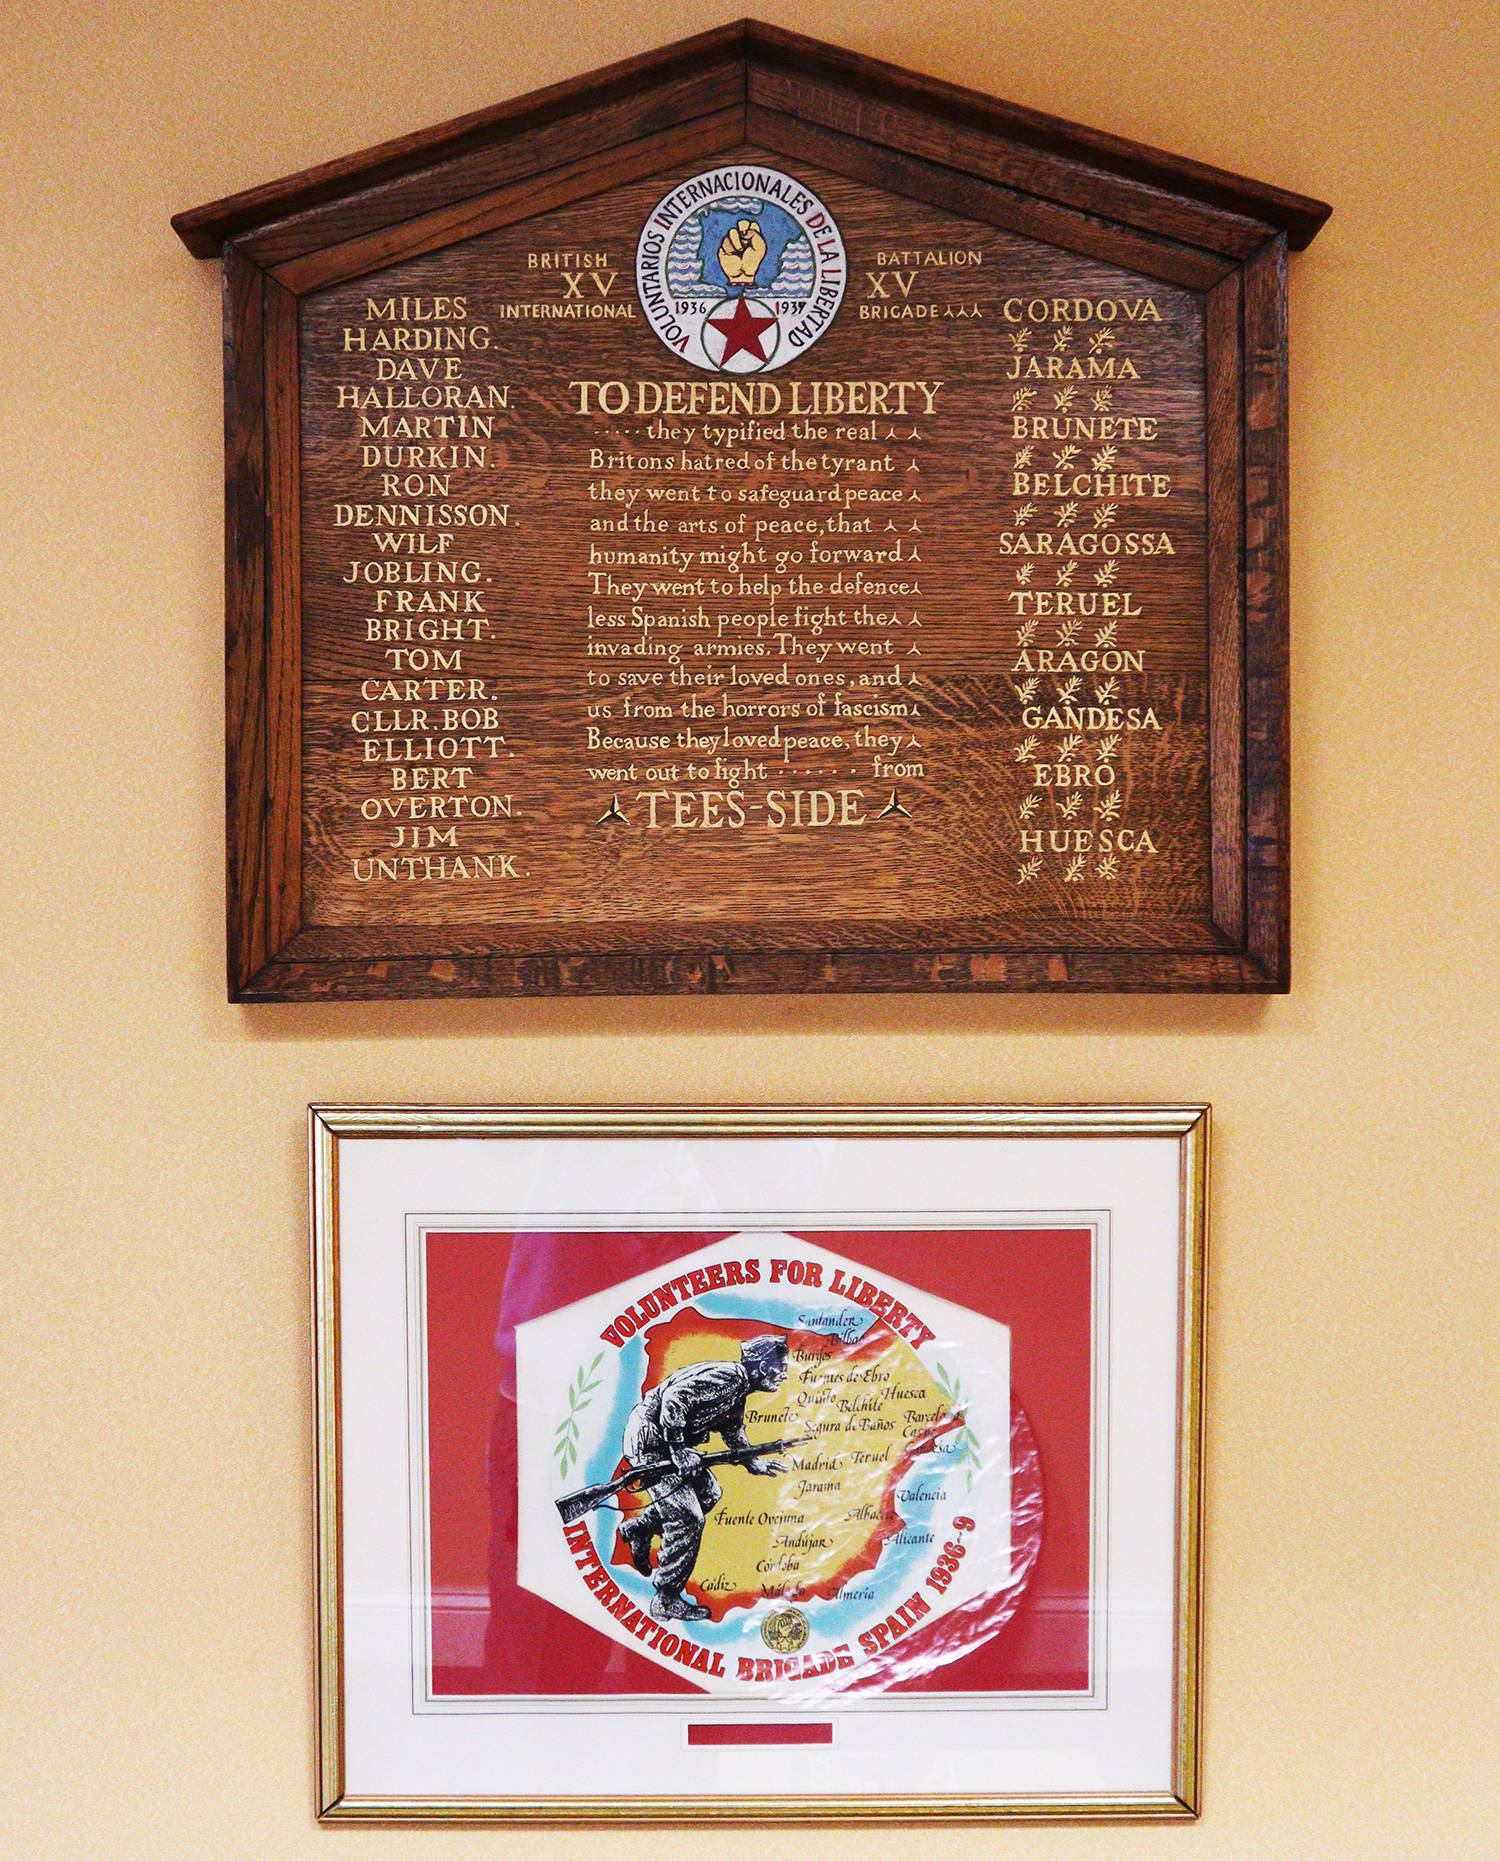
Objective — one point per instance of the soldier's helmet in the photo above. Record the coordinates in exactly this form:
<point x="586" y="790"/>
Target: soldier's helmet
<point x="765" y="1359"/>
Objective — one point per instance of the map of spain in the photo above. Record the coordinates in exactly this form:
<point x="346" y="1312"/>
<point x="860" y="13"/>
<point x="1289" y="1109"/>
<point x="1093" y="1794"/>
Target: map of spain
<point x="868" y="1412"/>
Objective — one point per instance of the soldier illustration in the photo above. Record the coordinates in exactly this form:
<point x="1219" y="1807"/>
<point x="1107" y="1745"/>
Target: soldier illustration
<point x="670" y="1423"/>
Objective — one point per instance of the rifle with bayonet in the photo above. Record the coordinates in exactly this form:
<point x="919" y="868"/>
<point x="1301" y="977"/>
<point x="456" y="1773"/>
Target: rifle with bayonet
<point x="573" y="1505"/>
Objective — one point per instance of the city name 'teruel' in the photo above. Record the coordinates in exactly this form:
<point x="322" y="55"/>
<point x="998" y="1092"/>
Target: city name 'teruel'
<point x="756" y="397"/>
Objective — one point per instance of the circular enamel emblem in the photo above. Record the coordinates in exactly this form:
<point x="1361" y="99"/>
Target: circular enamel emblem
<point x="786" y="1631"/>
<point x="740" y="270"/>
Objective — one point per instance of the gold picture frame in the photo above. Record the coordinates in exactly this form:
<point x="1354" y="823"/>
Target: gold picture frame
<point x="387" y="1179"/>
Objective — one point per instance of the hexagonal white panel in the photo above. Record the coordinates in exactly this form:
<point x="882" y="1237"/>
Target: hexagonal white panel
<point x="884" y="1546"/>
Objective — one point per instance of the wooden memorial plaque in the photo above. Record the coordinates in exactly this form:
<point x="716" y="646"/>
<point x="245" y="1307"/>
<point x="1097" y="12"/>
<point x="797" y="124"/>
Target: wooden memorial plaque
<point x="755" y="519"/>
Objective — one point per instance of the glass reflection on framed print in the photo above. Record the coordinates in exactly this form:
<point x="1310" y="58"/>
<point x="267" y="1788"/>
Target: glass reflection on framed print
<point x="761" y="1464"/>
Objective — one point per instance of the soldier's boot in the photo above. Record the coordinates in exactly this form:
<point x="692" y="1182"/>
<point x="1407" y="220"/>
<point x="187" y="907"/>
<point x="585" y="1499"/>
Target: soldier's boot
<point x="638" y="1533"/>
<point x="673" y="1606"/>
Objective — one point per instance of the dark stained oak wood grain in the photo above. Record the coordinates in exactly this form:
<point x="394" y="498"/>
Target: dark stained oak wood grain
<point x="736" y="53"/>
<point x="711" y="972"/>
<point x="700" y="140"/>
<point x="980" y="198"/>
<point x="283" y="822"/>
<point x="1267" y="645"/>
<point x="678" y="105"/>
<point x="1045" y="178"/>
<point x="771" y="47"/>
<point x="205" y="229"/>
<point x="743" y="943"/>
<point x="247" y="674"/>
<point x="1226" y="618"/>
<point x="973" y="230"/>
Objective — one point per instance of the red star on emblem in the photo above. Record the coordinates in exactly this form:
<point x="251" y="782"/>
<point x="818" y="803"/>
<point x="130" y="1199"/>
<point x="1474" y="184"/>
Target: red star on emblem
<point x="741" y="330"/>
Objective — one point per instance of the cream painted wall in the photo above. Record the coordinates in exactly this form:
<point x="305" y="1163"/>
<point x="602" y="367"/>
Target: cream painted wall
<point x="157" y="1672"/>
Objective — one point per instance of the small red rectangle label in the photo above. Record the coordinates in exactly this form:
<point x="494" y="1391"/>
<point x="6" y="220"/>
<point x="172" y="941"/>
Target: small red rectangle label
<point x="719" y="1734"/>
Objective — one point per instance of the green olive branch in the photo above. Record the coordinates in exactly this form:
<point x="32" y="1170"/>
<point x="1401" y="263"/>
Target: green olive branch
<point x="566" y="1435"/>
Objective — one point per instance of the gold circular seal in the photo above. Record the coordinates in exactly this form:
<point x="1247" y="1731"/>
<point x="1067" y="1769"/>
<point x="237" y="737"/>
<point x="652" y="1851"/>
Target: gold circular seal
<point x="786" y="1631"/>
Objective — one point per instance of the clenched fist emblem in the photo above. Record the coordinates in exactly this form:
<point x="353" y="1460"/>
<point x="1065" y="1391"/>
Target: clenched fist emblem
<point x="741" y="251"/>
<point x="734" y="268"/>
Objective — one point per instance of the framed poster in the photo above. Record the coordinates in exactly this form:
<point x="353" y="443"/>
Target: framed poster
<point x="762" y="1464"/>
<point x="755" y="519"/>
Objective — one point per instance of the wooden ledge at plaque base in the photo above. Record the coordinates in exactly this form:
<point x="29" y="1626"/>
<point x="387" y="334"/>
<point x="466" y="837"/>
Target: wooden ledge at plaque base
<point x="756" y="519"/>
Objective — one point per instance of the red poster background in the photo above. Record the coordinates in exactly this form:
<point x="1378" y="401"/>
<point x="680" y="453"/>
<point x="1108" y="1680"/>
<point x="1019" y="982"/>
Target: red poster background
<point x="481" y="1286"/>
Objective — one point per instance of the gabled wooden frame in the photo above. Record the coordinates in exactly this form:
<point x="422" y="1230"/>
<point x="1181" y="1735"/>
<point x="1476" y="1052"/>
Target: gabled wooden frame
<point x="1195" y="227"/>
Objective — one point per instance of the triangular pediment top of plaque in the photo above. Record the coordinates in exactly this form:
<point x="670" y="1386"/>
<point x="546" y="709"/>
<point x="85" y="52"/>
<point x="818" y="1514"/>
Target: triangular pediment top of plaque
<point x="750" y="83"/>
